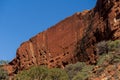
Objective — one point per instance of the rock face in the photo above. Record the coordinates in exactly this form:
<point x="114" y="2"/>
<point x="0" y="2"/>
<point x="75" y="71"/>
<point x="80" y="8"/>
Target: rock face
<point x="72" y="39"/>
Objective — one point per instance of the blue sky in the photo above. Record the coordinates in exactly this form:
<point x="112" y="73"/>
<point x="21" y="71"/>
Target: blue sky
<point x="22" y="19"/>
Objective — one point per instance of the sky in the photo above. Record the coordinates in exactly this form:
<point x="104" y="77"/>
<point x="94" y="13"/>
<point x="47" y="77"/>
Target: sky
<point x="22" y="19"/>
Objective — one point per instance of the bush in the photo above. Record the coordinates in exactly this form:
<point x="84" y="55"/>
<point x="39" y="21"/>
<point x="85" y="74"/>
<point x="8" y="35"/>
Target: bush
<point x="36" y="72"/>
<point x="116" y="59"/>
<point x="24" y="75"/>
<point x="84" y="73"/>
<point x="57" y="74"/>
<point x="105" y="59"/>
<point x="113" y="45"/>
<point x="42" y="73"/>
<point x="73" y="69"/>
<point x="101" y="47"/>
<point x="81" y="76"/>
<point x="3" y="74"/>
<point x="108" y="47"/>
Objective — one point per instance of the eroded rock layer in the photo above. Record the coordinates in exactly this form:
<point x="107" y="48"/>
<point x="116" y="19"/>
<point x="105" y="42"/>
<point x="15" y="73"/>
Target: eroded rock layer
<point x="72" y="39"/>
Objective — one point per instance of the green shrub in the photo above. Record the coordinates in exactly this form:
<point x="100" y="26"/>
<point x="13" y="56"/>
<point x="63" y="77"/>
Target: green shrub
<point x="110" y="57"/>
<point x="105" y="59"/>
<point x="116" y="59"/>
<point x="42" y="73"/>
<point x="87" y="68"/>
<point x="113" y="45"/>
<point x="101" y="47"/>
<point x="24" y="75"/>
<point x="36" y="72"/>
<point x="107" y="46"/>
<point x="73" y="69"/>
<point x="84" y="73"/>
<point x="57" y="74"/>
<point x="3" y="74"/>
<point x="81" y="76"/>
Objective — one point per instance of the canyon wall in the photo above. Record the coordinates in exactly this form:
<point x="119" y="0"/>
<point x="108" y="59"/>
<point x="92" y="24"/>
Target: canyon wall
<point x="70" y="40"/>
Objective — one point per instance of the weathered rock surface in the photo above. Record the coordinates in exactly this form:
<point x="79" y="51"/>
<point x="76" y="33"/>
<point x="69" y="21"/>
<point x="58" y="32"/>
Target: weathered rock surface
<point x="72" y="39"/>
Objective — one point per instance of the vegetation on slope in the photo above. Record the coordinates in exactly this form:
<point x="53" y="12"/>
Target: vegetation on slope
<point x="42" y="73"/>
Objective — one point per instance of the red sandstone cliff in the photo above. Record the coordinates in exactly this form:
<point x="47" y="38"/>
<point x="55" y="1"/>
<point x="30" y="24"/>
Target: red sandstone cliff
<point x="72" y="39"/>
